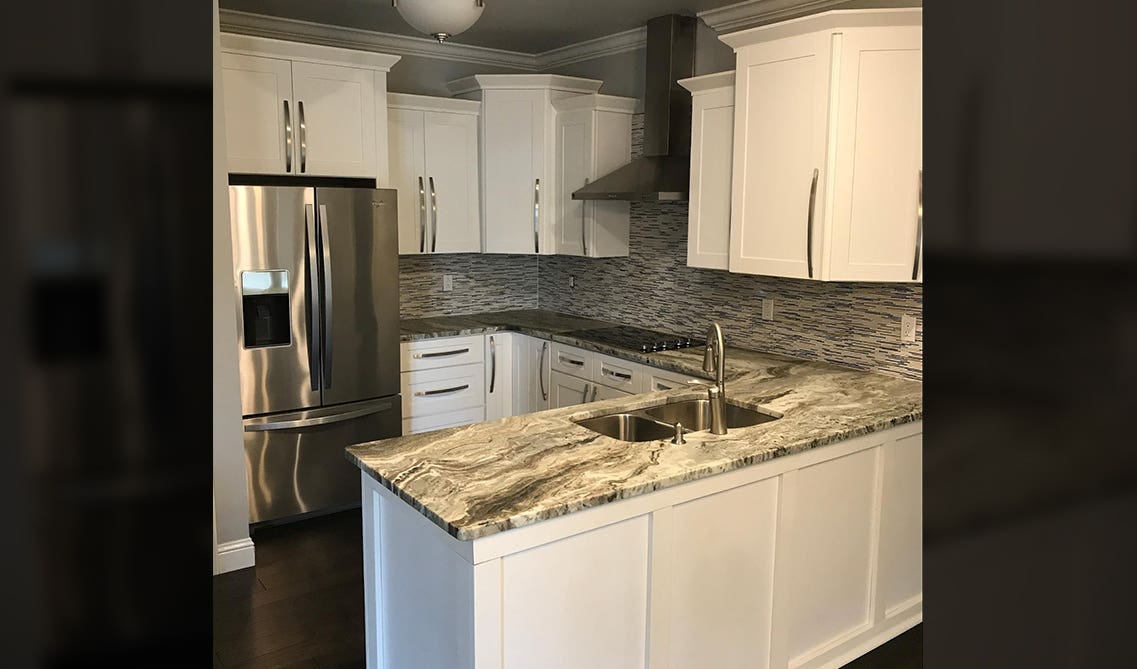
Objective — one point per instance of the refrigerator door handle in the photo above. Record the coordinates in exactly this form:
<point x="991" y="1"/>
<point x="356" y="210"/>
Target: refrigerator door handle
<point x="326" y="253"/>
<point x="312" y="299"/>
<point x="319" y="420"/>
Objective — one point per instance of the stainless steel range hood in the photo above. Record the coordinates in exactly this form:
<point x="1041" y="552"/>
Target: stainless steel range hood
<point x="664" y="173"/>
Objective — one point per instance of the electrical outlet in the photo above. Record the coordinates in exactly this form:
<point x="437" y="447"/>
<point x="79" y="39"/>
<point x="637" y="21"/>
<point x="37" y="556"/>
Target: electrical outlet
<point x="907" y="327"/>
<point x="447" y="282"/>
<point x="767" y="308"/>
<point x="572" y="281"/>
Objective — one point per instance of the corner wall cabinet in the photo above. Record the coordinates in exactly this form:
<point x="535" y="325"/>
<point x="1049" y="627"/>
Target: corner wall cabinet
<point x="518" y="163"/>
<point x="827" y="168"/>
<point x="593" y="138"/>
<point x="712" y="151"/>
<point x="296" y="109"/>
<point x="433" y="163"/>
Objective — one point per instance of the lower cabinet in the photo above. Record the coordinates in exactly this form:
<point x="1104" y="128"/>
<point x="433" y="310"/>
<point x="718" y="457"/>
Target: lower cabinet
<point x="500" y="360"/>
<point x="530" y="374"/>
<point x="802" y="562"/>
<point x="568" y="390"/>
<point x="443" y="382"/>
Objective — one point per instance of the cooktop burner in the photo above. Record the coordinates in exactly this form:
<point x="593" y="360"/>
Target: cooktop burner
<point x="637" y="339"/>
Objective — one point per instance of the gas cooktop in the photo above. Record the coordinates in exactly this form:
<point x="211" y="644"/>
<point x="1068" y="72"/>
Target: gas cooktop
<point x="637" y="339"/>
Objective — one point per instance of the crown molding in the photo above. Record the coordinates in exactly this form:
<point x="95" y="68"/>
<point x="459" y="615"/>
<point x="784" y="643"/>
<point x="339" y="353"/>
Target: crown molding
<point x="629" y="40"/>
<point x="259" y="25"/>
<point x="479" y="82"/>
<point x="708" y="82"/>
<point x="295" y="30"/>
<point x="747" y="14"/>
<point x="839" y="18"/>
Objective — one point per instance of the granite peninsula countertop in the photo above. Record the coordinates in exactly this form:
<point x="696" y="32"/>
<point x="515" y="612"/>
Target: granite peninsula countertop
<point x="476" y="480"/>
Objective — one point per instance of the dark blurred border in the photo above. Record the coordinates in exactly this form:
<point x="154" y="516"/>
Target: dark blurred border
<point x="1030" y="318"/>
<point x="105" y="122"/>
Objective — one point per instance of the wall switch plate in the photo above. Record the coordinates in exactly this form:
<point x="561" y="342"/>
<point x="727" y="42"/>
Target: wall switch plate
<point x="767" y="308"/>
<point x="447" y="282"/>
<point x="572" y="281"/>
<point x="907" y="327"/>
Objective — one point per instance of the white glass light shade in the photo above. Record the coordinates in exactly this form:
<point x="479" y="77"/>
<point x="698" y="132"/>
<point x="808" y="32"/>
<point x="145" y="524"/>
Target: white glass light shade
<point x="440" y="18"/>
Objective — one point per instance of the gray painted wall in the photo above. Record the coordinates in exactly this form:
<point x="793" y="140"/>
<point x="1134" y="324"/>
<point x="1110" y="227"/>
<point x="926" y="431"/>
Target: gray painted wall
<point x="428" y="76"/>
<point x="231" y="506"/>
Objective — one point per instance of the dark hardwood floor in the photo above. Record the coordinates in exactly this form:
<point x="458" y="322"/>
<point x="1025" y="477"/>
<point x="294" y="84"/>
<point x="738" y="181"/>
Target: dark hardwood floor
<point x="302" y="605"/>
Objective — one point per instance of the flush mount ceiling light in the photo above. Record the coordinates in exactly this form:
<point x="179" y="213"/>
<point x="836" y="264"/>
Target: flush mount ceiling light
<point x="441" y="19"/>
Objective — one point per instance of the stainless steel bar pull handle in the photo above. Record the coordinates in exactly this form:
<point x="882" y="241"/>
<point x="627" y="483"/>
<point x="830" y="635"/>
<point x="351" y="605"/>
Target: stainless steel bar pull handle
<point x="587" y="386"/>
<point x="312" y="296"/>
<point x="287" y="138"/>
<point x="584" y="224"/>
<point x="441" y="391"/>
<point x="919" y="226"/>
<point x="421" y="216"/>
<point x="493" y="363"/>
<point x="809" y="226"/>
<point x="594" y="389"/>
<point x="618" y="375"/>
<point x="440" y="354"/>
<point x="578" y="363"/>
<point x="303" y="137"/>
<point x="537" y="216"/>
<point x="434" y="218"/>
<point x="662" y="386"/>
<point x="319" y="420"/>
<point x="541" y="370"/>
<point x="326" y="252"/>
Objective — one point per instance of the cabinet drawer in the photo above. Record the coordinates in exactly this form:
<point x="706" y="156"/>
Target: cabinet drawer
<point x="439" y="421"/>
<point x="445" y="352"/>
<point x="619" y="374"/>
<point x="433" y="391"/>
<point x="605" y="393"/>
<point x="656" y="380"/>
<point x="572" y="360"/>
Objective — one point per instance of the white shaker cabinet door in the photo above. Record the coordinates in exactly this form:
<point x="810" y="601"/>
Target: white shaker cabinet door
<point x="407" y="165"/>
<point x="712" y="148"/>
<point x="518" y="199"/>
<point x="499" y="364"/>
<point x="260" y="116"/>
<point x="567" y="390"/>
<point x="779" y="173"/>
<point x="336" y="112"/>
<point x="876" y="215"/>
<point x="574" y="162"/>
<point x="451" y="148"/>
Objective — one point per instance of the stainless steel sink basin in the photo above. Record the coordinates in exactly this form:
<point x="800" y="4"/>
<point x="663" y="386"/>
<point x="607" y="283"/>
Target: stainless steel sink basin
<point x="696" y="415"/>
<point x="659" y="422"/>
<point x="628" y="427"/>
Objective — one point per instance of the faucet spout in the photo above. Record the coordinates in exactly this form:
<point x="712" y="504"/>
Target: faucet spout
<point x="714" y="357"/>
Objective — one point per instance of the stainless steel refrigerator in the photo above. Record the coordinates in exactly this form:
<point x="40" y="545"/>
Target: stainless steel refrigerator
<point x="316" y="275"/>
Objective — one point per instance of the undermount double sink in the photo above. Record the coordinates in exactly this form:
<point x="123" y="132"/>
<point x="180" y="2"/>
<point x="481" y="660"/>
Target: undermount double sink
<point x="658" y="422"/>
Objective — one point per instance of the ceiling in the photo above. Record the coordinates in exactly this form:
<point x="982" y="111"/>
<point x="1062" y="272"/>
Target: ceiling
<point x="529" y="26"/>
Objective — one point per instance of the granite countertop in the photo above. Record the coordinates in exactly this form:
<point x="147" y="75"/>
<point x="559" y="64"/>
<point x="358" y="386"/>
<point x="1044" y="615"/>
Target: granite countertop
<point x="475" y="480"/>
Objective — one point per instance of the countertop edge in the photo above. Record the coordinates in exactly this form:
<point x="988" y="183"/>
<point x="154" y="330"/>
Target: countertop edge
<point x="477" y="531"/>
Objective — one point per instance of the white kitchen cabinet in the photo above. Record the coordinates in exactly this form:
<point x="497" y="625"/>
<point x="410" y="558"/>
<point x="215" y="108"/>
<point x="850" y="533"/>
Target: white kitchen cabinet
<point x="531" y="381"/>
<point x="295" y="108"/>
<point x="826" y="175"/>
<point x="500" y="360"/>
<point x="566" y="390"/>
<point x="434" y="166"/>
<point x="655" y="380"/>
<point x="619" y="374"/>
<point x="593" y="138"/>
<point x="572" y="360"/>
<point x="712" y="154"/>
<point x="602" y="392"/>
<point x="443" y="382"/>
<point x="518" y="167"/>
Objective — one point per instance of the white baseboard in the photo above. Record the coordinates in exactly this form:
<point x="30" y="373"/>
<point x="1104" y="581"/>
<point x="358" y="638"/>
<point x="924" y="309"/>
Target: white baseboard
<point x="234" y="555"/>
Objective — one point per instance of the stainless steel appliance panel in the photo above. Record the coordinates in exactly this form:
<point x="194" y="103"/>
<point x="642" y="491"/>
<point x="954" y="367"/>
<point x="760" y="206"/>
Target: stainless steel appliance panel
<point x="358" y="261"/>
<point x="296" y="463"/>
<point x="270" y="233"/>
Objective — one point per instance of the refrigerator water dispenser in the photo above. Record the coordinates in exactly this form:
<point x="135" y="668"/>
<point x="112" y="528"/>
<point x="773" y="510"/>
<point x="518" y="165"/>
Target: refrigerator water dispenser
<point x="264" y="303"/>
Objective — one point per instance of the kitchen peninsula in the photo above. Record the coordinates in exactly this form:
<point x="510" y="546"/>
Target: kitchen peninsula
<point x="532" y="541"/>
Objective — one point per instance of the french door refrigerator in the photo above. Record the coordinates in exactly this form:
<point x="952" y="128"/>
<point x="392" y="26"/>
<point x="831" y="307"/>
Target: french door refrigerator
<point x="316" y="274"/>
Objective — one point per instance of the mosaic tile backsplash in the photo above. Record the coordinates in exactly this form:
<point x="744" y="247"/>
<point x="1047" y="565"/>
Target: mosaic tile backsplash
<point x="851" y="324"/>
<point x="481" y="283"/>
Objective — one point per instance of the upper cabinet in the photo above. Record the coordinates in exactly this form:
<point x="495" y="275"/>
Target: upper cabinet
<point x="297" y="109"/>
<point x="593" y="138"/>
<point x="518" y="162"/>
<point x="827" y="162"/>
<point x="712" y="150"/>
<point x="433" y="162"/>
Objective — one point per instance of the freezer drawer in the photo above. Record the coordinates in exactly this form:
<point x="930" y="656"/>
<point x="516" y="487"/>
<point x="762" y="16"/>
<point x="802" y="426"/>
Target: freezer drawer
<point x="295" y="461"/>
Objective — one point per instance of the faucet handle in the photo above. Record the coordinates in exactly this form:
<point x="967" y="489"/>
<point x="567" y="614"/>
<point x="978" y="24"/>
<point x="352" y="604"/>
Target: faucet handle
<point x="678" y="438"/>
